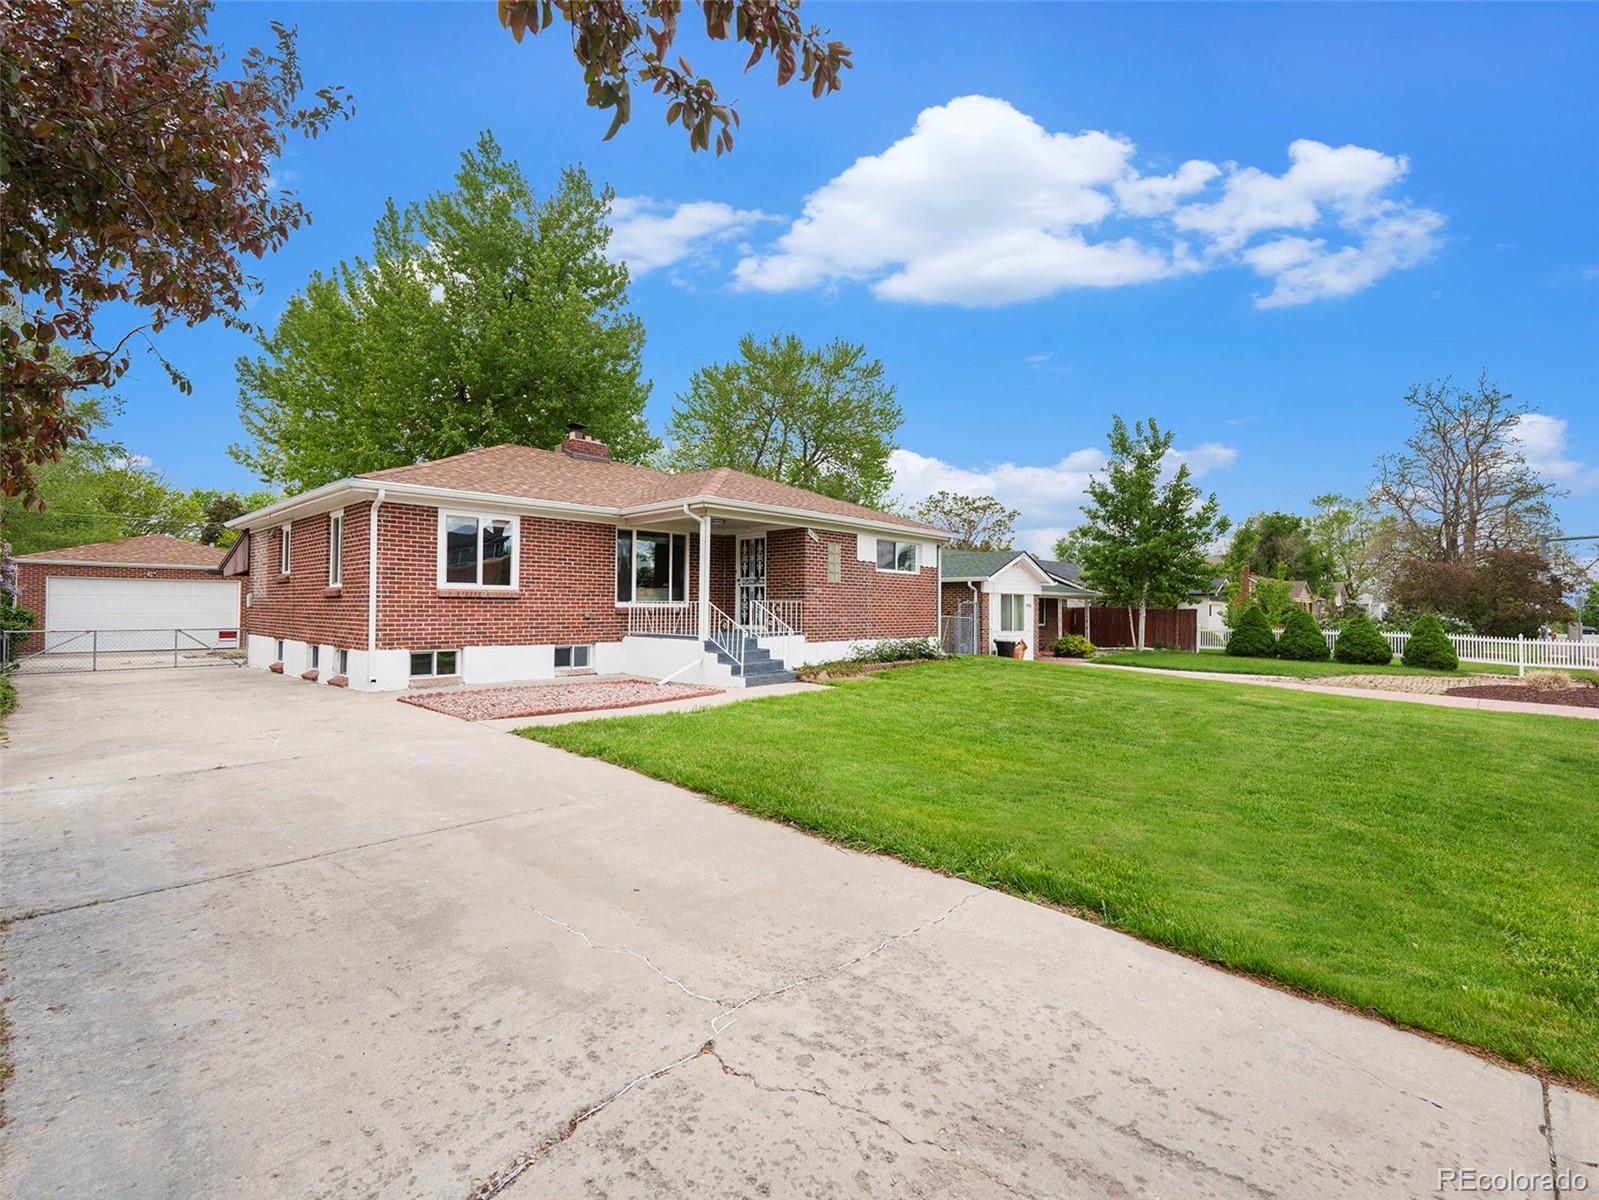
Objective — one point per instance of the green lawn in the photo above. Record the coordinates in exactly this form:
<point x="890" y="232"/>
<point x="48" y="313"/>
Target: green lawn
<point x="1216" y="660"/>
<point x="1437" y="866"/>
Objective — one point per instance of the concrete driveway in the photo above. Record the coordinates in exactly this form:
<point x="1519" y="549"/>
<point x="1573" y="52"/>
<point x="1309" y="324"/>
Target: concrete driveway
<point x="271" y="939"/>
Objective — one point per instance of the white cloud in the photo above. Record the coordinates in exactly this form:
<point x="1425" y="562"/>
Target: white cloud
<point x="980" y="205"/>
<point x="647" y="233"/>
<point x="1049" y="498"/>
<point x="1543" y="442"/>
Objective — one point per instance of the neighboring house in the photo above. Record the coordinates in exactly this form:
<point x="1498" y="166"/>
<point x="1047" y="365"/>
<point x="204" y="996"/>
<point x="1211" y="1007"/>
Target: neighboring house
<point x="131" y="594"/>
<point x="1211" y="605"/>
<point x="1299" y="594"/>
<point x="511" y="563"/>
<point x="1009" y="596"/>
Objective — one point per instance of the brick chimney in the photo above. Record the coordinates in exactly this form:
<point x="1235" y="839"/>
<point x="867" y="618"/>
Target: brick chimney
<point x="578" y="444"/>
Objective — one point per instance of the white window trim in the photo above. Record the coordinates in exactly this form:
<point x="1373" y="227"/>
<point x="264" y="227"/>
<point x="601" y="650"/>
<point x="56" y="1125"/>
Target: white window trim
<point x="897" y="543"/>
<point x="688" y="545"/>
<point x="336" y="549"/>
<point x="482" y="519"/>
<point x="285" y="548"/>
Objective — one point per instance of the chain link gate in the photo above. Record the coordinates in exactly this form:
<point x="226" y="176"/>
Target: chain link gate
<point x="67" y="651"/>
<point x="957" y="631"/>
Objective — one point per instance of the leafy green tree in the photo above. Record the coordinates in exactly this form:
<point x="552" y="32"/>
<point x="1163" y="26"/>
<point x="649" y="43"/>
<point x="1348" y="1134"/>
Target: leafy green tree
<point x="1281" y="546"/>
<point x="1069" y="546"/>
<point x="135" y="174"/>
<point x="1251" y="635"/>
<point x="484" y="316"/>
<point x="1356" y="541"/>
<point x="1590" y="606"/>
<point x="822" y="418"/>
<point x="1274" y="598"/>
<point x="97" y="491"/>
<point x="1429" y="646"/>
<point x="627" y="42"/>
<point x="1359" y="641"/>
<point x="978" y="522"/>
<point x="1302" y="639"/>
<point x="213" y="509"/>
<point x="1145" y="529"/>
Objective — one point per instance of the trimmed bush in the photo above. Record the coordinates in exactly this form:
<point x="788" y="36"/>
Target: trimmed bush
<point x="1360" y="642"/>
<point x="1429" y="646"/>
<point x="1073" y="645"/>
<point x="1252" y="638"/>
<point x="1302" y="639"/>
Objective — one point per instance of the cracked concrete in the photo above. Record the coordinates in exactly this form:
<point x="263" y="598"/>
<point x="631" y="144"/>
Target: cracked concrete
<point x="389" y="953"/>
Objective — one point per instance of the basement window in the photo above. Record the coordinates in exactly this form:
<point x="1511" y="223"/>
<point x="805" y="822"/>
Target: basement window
<point x="571" y="658"/>
<point x="280" y="650"/>
<point x="432" y="662"/>
<point x="316" y="656"/>
<point x="344" y="662"/>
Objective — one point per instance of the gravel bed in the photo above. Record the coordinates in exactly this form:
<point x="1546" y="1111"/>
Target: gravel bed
<point x="1429" y="685"/>
<point x="1580" y="697"/>
<point x="546" y="699"/>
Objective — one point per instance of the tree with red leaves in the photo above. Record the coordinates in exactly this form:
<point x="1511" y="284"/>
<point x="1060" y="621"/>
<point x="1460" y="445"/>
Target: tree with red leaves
<point x="133" y="173"/>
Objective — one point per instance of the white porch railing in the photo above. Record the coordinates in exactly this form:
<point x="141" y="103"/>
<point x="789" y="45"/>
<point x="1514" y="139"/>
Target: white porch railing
<point x="776" y="618"/>
<point x="1522" y="652"/>
<point x="728" y="636"/>
<point x="663" y="620"/>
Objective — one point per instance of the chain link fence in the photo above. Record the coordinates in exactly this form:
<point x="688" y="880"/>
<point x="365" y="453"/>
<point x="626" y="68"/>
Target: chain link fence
<point x="65" y="651"/>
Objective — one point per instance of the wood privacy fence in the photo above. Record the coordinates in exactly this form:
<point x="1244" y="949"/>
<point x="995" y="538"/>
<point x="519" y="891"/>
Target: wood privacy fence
<point x="1177" y="627"/>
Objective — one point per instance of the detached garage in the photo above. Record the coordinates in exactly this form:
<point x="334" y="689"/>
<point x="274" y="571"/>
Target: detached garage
<point x="142" y="588"/>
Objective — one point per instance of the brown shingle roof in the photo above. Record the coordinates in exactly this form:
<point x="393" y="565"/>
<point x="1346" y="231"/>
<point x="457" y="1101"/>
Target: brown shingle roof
<point x="153" y="549"/>
<point x="524" y="471"/>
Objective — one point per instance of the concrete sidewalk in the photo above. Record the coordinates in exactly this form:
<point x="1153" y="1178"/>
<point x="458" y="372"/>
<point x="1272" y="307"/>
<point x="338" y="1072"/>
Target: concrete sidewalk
<point x="1331" y="689"/>
<point x="270" y="939"/>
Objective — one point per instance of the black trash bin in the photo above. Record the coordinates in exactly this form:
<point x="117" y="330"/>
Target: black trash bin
<point x="1005" y="649"/>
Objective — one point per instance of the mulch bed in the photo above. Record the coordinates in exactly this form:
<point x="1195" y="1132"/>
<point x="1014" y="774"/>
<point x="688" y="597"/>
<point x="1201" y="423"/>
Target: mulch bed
<point x="548" y="699"/>
<point x="1583" y="697"/>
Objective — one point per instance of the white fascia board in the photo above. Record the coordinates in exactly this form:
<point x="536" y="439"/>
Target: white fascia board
<point x="721" y="505"/>
<point x="332" y="495"/>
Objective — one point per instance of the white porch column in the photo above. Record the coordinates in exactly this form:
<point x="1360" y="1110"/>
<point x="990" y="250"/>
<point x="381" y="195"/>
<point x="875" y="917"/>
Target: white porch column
<point x="705" y="577"/>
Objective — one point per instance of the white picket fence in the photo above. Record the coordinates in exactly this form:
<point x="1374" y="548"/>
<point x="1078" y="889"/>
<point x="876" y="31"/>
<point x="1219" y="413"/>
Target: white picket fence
<point x="1553" y="653"/>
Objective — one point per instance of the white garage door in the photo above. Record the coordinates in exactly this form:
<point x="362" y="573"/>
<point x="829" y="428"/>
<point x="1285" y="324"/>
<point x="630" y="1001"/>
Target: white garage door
<point x="206" y="608"/>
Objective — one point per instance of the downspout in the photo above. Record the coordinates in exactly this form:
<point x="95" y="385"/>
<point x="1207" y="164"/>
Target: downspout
<point x="979" y="642"/>
<point x="372" y="590"/>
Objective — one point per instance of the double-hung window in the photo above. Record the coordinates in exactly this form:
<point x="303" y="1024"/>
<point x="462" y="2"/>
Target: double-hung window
<point x="284" y="554"/>
<point x="1012" y="613"/>
<point x="651" y="568"/>
<point x="896" y="556"/>
<point x="476" y="550"/>
<point x="335" y="549"/>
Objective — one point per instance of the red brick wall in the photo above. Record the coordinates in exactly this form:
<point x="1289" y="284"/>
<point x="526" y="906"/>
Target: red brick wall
<point x="566" y="587"/>
<point x="31" y="577"/>
<point x="865" y="603"/>
<point x="301" y="605"/>
<point x="958" y="594"/>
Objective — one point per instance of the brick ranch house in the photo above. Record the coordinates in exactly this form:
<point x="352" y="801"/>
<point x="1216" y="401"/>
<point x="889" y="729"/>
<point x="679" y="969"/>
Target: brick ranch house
<point x="130" y="594"/>
<point x="510" y="563"/>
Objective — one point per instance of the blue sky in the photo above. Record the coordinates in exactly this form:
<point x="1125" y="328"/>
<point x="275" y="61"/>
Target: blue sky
<point x="997" y="205"/>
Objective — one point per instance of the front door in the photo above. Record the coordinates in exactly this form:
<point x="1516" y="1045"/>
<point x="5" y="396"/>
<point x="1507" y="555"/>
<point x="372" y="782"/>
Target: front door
<point x="751" y="578"/>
